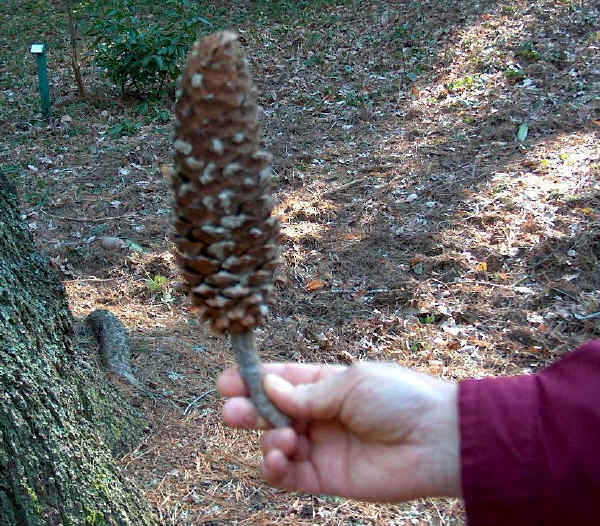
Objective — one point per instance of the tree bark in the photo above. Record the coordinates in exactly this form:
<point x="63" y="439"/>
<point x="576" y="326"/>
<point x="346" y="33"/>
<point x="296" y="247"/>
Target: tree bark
<point x="61" y="422"/>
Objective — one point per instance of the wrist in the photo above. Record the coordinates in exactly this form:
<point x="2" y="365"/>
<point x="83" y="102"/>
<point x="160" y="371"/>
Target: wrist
<point x="445" y="444"/>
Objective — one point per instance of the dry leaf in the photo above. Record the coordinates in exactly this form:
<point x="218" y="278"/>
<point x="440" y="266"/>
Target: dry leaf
<point x="315" y="284"/>
<point x="167" y="173"/>
<point x="493" y="263"/>
<point x="453" y="345"/>
<point x="482" y="267"/>
<point x="530" y="225"/>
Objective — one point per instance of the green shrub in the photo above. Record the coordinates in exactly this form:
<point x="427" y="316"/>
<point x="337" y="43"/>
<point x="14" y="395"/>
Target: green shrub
<point x="141" y="46"/>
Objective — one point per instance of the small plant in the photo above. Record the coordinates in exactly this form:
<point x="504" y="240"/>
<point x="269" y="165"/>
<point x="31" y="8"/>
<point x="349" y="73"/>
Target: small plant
<point x="314" y="60"/>
<point x="278" y="10"/>
<point x="428" y="319"/>
<point x="403" y="32"/>
<point x="352" y="98"/>
<point x="510" y="10"/>
<point x="460" y="85"/>
<point x="73" y="131"/>
<point x="567" y="159"/>
<point x="555" y="195"/>
<point x="10" y="170"/>
<point x="514" y="75"/>
<point x="416" y="346"/>
<point x="527" y="51"/>
<point x="157" y="283"/>
<point x="125" y="127"/>
<point x="162" y="116"/>
<point x="151" y="114"/>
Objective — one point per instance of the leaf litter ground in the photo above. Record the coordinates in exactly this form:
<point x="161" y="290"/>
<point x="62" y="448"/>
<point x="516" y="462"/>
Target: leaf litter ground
<point x="438" y="179"/>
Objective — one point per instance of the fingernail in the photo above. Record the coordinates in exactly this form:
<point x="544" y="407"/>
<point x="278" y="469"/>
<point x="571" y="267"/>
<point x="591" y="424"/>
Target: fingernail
<point x="273" y="382"/>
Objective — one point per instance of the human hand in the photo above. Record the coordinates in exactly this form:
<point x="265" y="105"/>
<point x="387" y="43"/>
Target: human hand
<point x="371" y="431"/>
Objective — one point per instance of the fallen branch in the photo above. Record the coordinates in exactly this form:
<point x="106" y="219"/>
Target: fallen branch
<point x="489" y="284"/>
<point x="342" y="187"/>
<point x="91" y="280"/>
<point x="591" y="316"/>
<point x="88" y="219"/>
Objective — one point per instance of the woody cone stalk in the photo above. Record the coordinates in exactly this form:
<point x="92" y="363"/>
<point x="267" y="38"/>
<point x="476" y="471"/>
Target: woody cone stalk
<point x="226" y="240"/>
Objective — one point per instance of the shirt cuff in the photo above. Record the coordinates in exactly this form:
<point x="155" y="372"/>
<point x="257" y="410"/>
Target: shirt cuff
<point x="498" y="434"/>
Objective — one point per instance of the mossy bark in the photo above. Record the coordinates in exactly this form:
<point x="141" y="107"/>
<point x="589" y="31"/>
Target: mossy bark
<point x="61" y="423"/>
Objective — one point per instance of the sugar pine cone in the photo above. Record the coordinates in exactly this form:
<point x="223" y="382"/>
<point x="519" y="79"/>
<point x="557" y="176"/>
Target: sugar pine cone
<point x="226" y="239"/>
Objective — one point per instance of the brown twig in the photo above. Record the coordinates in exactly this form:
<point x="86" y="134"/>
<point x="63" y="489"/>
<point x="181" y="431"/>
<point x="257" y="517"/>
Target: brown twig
<point x="91" y="280"/>
<point x="88" y="219"/>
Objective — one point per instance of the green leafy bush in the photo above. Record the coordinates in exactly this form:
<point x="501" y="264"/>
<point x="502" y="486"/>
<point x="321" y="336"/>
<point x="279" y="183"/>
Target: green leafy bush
<point x="140" y="45"/>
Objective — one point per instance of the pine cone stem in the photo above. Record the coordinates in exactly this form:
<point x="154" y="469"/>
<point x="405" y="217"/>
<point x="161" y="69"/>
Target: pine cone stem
<point x="244" y="349"/>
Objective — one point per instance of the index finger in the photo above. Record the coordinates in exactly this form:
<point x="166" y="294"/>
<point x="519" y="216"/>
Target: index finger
<point x="230" y="383"/>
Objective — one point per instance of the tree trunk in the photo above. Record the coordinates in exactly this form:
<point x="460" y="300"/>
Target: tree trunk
<point x="74" y="50"/>
<point x="61" y="422"/>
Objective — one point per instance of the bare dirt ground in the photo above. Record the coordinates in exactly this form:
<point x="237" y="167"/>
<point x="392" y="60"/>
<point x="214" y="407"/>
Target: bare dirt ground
<point x="438" y="178"/>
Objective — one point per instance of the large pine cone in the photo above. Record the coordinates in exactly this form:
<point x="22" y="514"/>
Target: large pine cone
<point x="227" y="241"/>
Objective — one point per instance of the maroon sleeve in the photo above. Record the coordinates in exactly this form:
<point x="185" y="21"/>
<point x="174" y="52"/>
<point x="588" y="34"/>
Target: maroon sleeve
<point x="530" y="445"/>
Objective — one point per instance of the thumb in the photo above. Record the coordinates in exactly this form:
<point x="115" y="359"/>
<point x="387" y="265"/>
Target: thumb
<point x="320" y="400"/>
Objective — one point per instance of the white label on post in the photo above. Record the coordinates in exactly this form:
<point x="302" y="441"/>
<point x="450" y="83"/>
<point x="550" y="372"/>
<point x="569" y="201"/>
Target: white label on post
<point x="37" y="48"/>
